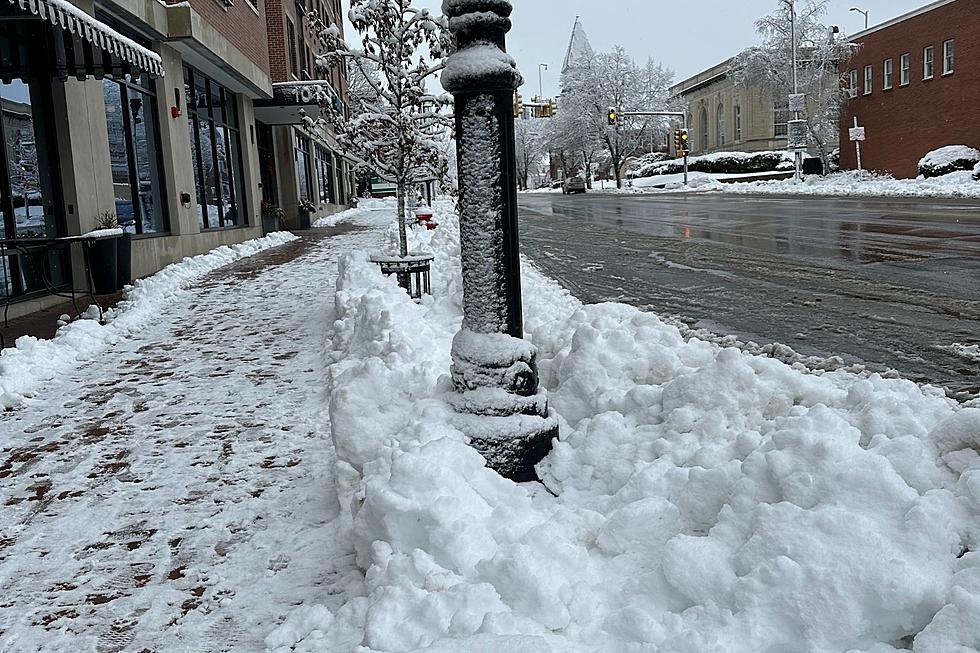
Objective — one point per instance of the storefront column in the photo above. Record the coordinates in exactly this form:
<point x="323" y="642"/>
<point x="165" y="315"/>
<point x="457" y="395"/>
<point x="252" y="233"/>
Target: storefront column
<point x="284" y="140"/>
<point x="175" y="145"/>
<point x="251" y="170"/>
<point x="83" y="152"/>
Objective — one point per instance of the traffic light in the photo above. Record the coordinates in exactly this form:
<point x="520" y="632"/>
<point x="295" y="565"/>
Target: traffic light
<point x="678" y="147"/>
<point x="613" y="116"/>
<point x="518" y="105"/>
<point x="685" y="142"/>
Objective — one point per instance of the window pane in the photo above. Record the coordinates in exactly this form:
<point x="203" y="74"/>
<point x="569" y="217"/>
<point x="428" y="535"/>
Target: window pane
<point x="149" y="180"/>
<point x="195" y="131"/>
<point x="119" y="151"/>
<point x="211" y="201"/>
<point x="30" y="177"/>
<point x="302" y="173"/>
<point x="228" y="217"/>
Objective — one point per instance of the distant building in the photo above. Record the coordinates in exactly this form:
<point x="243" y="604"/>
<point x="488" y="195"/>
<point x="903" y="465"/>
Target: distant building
<point x="914" y="86"/>
<point x="723" y="116"/>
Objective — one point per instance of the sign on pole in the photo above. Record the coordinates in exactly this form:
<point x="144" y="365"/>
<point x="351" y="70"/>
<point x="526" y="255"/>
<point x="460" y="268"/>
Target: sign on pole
<point x="797" y="134"/>
<point x="857" y="135"/>
<point x="797" y="102"/>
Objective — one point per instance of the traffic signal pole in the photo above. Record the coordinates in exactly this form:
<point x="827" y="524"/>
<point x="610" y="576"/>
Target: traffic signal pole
<point x="613" y="113"/>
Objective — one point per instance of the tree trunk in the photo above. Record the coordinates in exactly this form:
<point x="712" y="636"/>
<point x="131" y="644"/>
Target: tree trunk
<point x="619" y="176"/>
<point x="402" y="235"/>
<point x="588" y="171"/>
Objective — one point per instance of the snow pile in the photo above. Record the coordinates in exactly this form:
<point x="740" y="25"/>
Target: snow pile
<point x="853" y="183"/>
<point x="365" y="206"/>
<point x="32" y="362"/>
<point x="948" y="159"/>
<point x="707" y="499"/>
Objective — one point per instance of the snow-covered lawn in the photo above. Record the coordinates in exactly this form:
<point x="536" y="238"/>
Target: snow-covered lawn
<point x="704" y="499"/>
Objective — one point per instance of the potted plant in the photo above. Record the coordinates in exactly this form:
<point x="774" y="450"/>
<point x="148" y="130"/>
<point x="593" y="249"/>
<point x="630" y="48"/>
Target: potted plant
<point x="272" y="217"/>
<point x="104" y="253"/>
<point x="306" y="209"/>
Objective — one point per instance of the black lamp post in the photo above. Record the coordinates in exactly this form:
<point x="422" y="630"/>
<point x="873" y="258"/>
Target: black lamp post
<point x="498" y="401"/>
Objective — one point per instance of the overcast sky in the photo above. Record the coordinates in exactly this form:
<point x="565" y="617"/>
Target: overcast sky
<point x="688" y="36"/>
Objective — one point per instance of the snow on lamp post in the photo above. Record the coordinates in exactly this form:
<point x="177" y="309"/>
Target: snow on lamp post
<point x="498" y="402"/>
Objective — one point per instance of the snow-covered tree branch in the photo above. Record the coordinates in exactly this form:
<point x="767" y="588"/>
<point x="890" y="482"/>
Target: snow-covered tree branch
<point x="396" y="128"/>
<point x="820" y="51"/>
<point x="611" y="79"/>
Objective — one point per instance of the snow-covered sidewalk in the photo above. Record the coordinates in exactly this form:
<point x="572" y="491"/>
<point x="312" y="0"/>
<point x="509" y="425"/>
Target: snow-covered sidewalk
<point x="171" y="490"/>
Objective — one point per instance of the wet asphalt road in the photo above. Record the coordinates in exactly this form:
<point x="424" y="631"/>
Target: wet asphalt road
<point x="890" y="283"/>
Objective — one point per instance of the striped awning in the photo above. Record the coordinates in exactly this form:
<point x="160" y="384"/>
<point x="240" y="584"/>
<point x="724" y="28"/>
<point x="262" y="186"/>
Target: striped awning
<point x="68" y="17"/>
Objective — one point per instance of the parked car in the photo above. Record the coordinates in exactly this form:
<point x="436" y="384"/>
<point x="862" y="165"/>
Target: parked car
<point x="574" y="184"/>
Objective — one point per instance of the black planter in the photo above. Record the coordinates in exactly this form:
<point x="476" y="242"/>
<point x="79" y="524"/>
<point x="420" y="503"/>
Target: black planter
<point x="124" y="260"/>
<point x="304" y="219"/>
<point x="104" y="261"/>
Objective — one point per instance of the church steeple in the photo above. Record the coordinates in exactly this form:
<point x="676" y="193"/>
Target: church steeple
<point x="578" y="46"/>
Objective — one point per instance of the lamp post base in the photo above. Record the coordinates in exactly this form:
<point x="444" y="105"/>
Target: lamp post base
<point x="511" y="445"/>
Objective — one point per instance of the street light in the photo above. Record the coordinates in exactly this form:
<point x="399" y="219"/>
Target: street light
<point x="866" y="12"/>
<point x="540" y="83"/>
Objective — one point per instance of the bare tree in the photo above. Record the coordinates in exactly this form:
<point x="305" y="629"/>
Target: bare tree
<point x="820" y="52"/>
<point x="530" y="137"/>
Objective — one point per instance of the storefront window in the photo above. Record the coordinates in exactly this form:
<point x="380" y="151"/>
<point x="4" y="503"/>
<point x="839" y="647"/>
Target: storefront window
<point x="28" y="202"/>
<point x="134" y="149"/>
<point x="216" y="152"/>
<point x="324" y="163"/>
<point x="303" y="168"/>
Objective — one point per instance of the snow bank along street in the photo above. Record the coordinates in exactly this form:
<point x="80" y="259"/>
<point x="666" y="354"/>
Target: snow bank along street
<point x="167" y="480"/>
<point x="704" y="499"/>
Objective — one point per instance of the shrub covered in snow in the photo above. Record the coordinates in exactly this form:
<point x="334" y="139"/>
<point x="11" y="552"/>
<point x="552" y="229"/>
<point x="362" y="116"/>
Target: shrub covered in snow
<point x="976" y="172"/>
<point x="719" y="162"/>
<point x="948" y="159"/>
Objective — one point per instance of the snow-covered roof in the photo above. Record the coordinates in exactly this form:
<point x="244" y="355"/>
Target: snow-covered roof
<point x="67" y="16"/>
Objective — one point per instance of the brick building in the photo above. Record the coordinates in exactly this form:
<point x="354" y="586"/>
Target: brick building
<point x="915" y="86"/>
<point x="300" y="159"/>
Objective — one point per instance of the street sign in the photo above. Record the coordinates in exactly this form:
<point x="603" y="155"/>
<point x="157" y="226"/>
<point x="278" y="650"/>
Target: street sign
<point x="797" y="102"/>
<point x="856" y="133"/>
<point x="798" y="134"/>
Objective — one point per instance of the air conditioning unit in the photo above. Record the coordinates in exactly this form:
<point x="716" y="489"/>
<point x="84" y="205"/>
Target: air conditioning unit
<point x="852" y="93"/>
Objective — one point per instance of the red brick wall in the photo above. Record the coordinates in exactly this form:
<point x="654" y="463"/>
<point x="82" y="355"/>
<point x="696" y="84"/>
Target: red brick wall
<point x="906" y="122"/>
<point x="277" y="12"/>
<point x="245" y="29"/>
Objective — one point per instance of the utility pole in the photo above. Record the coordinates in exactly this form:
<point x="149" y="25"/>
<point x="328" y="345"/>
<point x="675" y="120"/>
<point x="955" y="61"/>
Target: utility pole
<point x="494" y="370"/>
<point x="797" y="155"/>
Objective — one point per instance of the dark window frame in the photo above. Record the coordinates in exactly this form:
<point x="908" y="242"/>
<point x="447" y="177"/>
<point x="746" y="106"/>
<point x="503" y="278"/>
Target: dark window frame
<point x="217" y="119"/>
<point x="150" y="104"/>
<point x="291" y="39"/>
